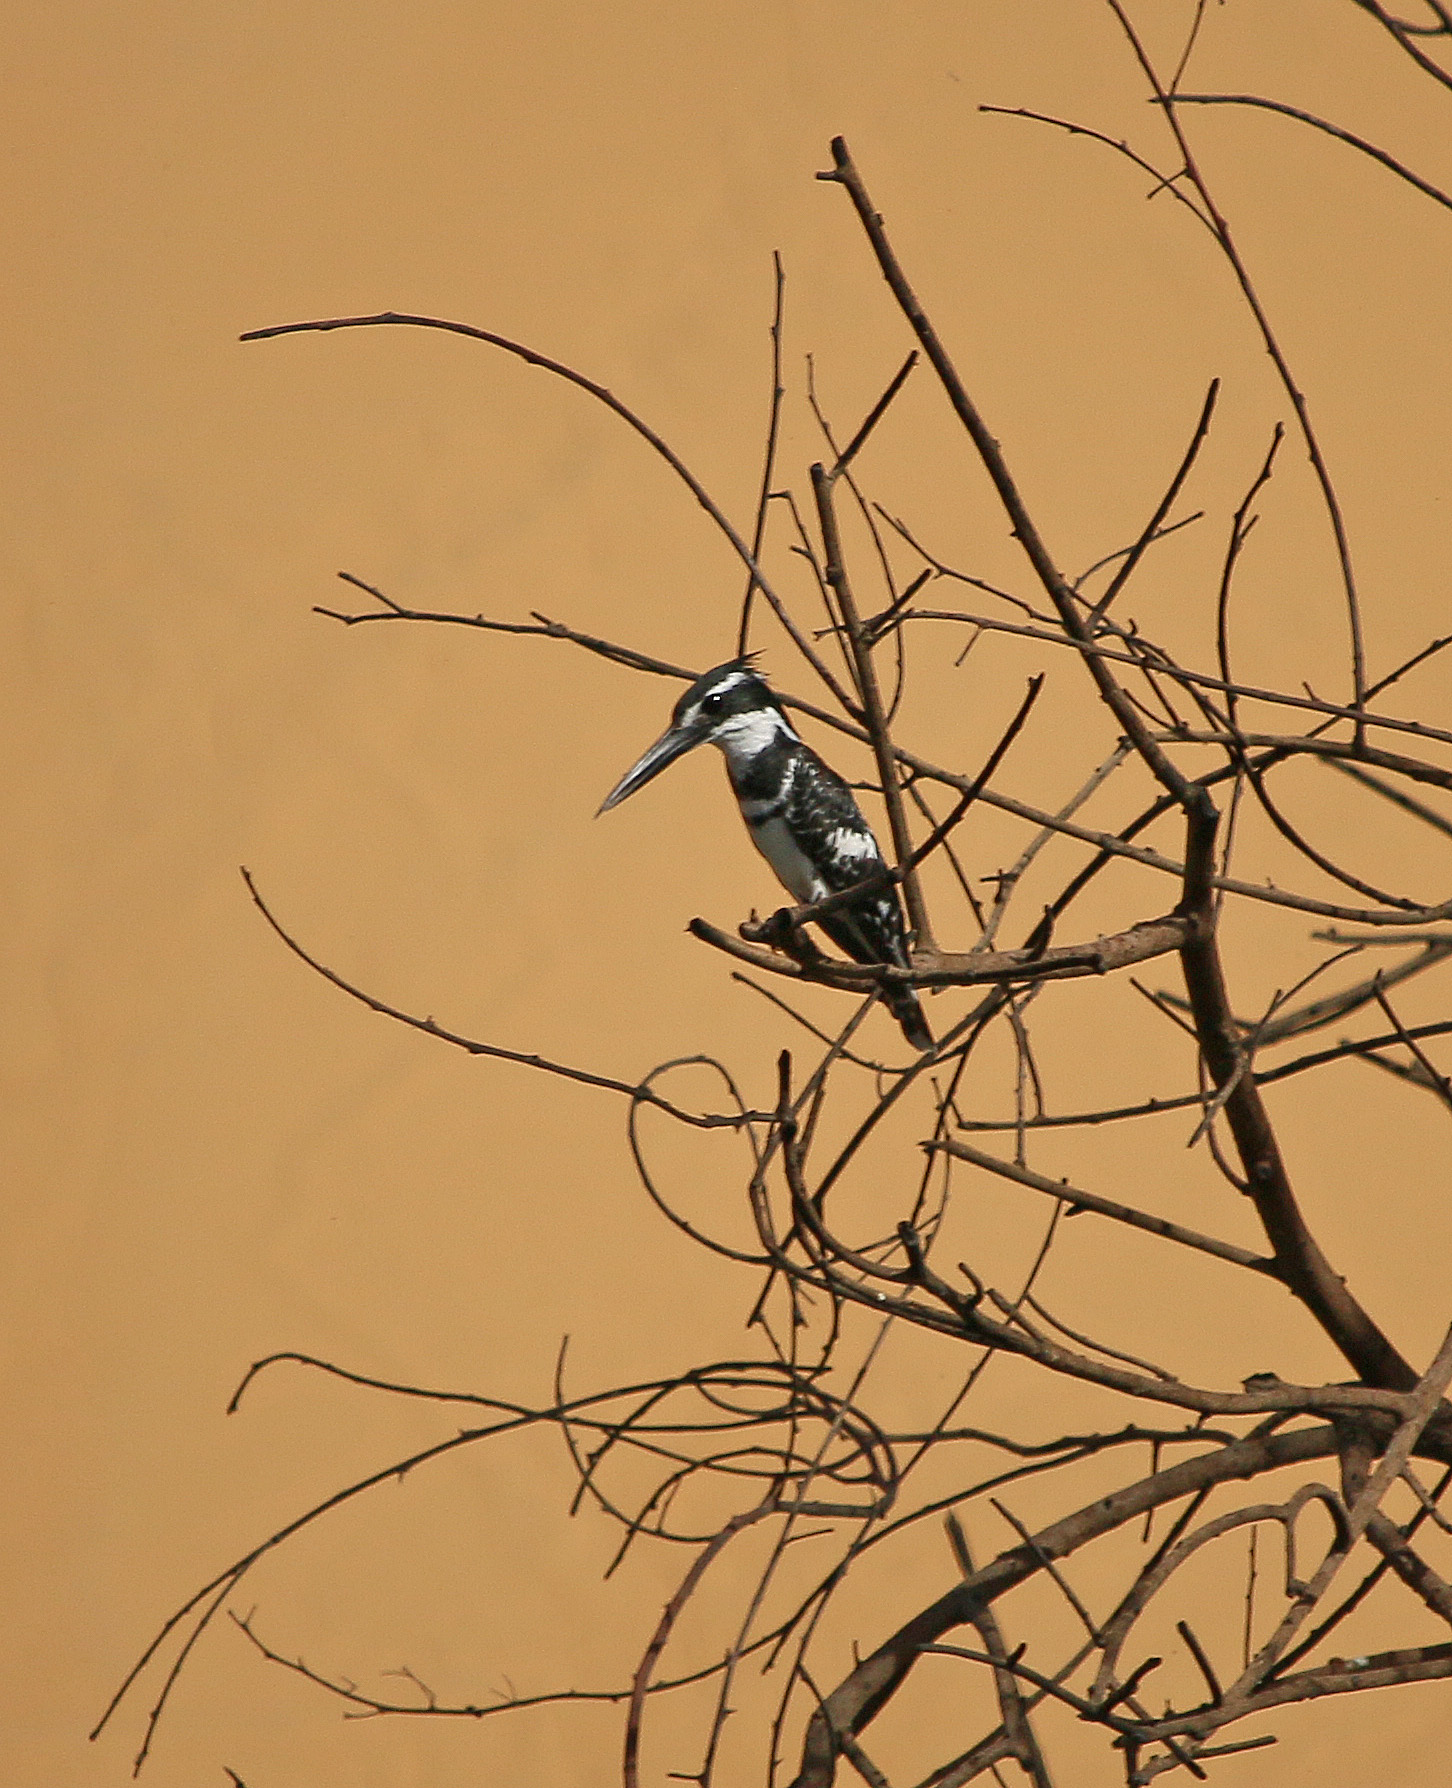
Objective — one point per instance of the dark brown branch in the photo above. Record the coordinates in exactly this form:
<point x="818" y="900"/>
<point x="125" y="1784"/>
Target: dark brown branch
<point x="963" y="1319"/>
<point x="541" y="626"/>
<point x="405" y="320"/>
<point x="1422" y="1405"/>
<point x="866" y="1691"/>
<point x="640" y="1687"/>
<point x="1163" y="182"/>
<point x="1379" y="1670"/>
<point x="640" y="1093"/>
<point x="873" y="711"/>
<point x="1113" y="1353"/>
<point x="1341" y="1004"/>
<point x="1413" y="1570"/>
<point x="1152" y="937"/>
<point x="1079" y="1200"/>
<point x="1338" y="131"/>
<point x="1300" y="843"/>
<point x="1353" y="1601"/>
<point x="1441" y="14"/>
<point x="1438" y="1082"/>
<point x="1395" y="796"/>
<point x="366" y="1704"/>
<point x="1016" y="1723"/>
<point x="1152" y="528"/>
<point x="995" y="758"/>
<point x="1364" y="1046"/>
<point x="1226" y="241"/>
<point x="612" y="403"/>
<point x="1299" y="1260"/>
<point x="1240" y="528"/>
<point x="847" y="1055"/>
<point x="768" y="466"/>
<point x="1309" y="704"/>
<point x="844" y="172"/>
<point x="1207" y="1669"/>
<point x="875" y="415"/>
<point x="1121" y="552"/>
<point x="1405" y="35"/>
<point x="1408" y="664"/>
<point x="212" y="1595"/>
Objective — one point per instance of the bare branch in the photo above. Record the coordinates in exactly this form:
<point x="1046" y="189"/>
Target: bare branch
<point x="1338" y="131"/>
<point x="872" y="1684"/>
<point x="1150" y="938"/>
<point x="638" y="1091"/>
<point x="1079" y="1200"/>
<point x="1153" y="526"/>
<point x="768" y="467"/>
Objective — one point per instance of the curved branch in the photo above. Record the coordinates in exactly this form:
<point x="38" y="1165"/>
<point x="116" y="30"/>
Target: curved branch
<point x="1405" y="33"/>
<point x="407" y="320"/>
<point x="1338" y="131"/>
<point x="640" y="1686"/>
<point x="639" y="1092"/>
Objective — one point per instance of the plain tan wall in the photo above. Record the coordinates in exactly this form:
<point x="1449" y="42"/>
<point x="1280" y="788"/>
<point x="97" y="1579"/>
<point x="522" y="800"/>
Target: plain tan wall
<point x="216" y="1155"/>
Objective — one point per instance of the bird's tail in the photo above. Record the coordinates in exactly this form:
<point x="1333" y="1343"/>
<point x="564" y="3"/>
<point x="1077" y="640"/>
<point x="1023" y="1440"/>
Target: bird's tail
<point x="906" y="1008"/>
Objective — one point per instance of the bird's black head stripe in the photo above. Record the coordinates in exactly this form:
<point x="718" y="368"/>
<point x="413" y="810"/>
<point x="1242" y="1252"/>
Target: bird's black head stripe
<point x="739" y="685"/>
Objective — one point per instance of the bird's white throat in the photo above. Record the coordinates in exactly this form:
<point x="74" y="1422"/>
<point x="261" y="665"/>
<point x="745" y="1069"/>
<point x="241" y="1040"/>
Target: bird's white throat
<point x="743" y="737"/>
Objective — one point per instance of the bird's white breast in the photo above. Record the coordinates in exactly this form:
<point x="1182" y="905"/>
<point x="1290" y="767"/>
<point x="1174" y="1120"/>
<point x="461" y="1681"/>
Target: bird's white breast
<point x="793" y="870"/>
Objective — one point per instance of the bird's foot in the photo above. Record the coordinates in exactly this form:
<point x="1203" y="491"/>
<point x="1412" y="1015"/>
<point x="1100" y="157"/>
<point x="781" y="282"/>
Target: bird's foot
<point x="781" y="932"/>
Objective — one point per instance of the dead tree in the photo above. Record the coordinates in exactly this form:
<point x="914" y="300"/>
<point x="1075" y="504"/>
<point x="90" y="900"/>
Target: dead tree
<point x="791" y="1437"/>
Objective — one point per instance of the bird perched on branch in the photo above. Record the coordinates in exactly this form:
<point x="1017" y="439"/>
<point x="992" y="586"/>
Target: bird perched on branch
<point x="801" y="815"/>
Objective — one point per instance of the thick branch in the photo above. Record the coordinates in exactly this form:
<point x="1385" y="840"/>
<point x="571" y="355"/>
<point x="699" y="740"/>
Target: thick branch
<point x="867" y="1690"/>
<point x="1101" y="956"/>
<point x="1056" y="586"/>
<point x="1299" y="1260"/>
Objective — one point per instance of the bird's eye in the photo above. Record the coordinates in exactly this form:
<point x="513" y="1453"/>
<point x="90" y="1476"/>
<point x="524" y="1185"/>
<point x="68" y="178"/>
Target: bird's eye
<point x="712" y="704"/>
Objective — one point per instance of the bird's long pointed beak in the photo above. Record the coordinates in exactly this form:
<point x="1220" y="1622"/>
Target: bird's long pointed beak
<point x="667" y="748"/>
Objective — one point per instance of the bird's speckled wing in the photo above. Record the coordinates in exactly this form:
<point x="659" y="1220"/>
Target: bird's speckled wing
<point x="822" y="812"/>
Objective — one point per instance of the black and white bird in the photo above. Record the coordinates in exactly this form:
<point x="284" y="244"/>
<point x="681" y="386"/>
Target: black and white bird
<point x="801" y="815"/>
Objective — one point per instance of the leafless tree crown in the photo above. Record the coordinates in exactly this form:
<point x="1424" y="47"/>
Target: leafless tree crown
<point x="792" y="1441"/>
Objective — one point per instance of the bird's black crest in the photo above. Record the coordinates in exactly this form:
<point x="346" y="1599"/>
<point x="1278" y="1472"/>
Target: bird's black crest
<point x="753" y="686"/>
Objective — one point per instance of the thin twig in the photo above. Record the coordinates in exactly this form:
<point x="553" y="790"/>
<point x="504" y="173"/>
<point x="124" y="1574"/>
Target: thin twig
<point x="1338" y="131"/>
<point x="768" y="465"/>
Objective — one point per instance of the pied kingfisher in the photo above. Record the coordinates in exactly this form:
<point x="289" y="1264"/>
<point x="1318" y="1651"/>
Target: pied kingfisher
<point x="800" y="813"/>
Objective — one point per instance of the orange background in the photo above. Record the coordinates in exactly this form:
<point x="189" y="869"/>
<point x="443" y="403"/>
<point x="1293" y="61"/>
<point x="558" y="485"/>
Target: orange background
<point x="217" y="1155"/>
